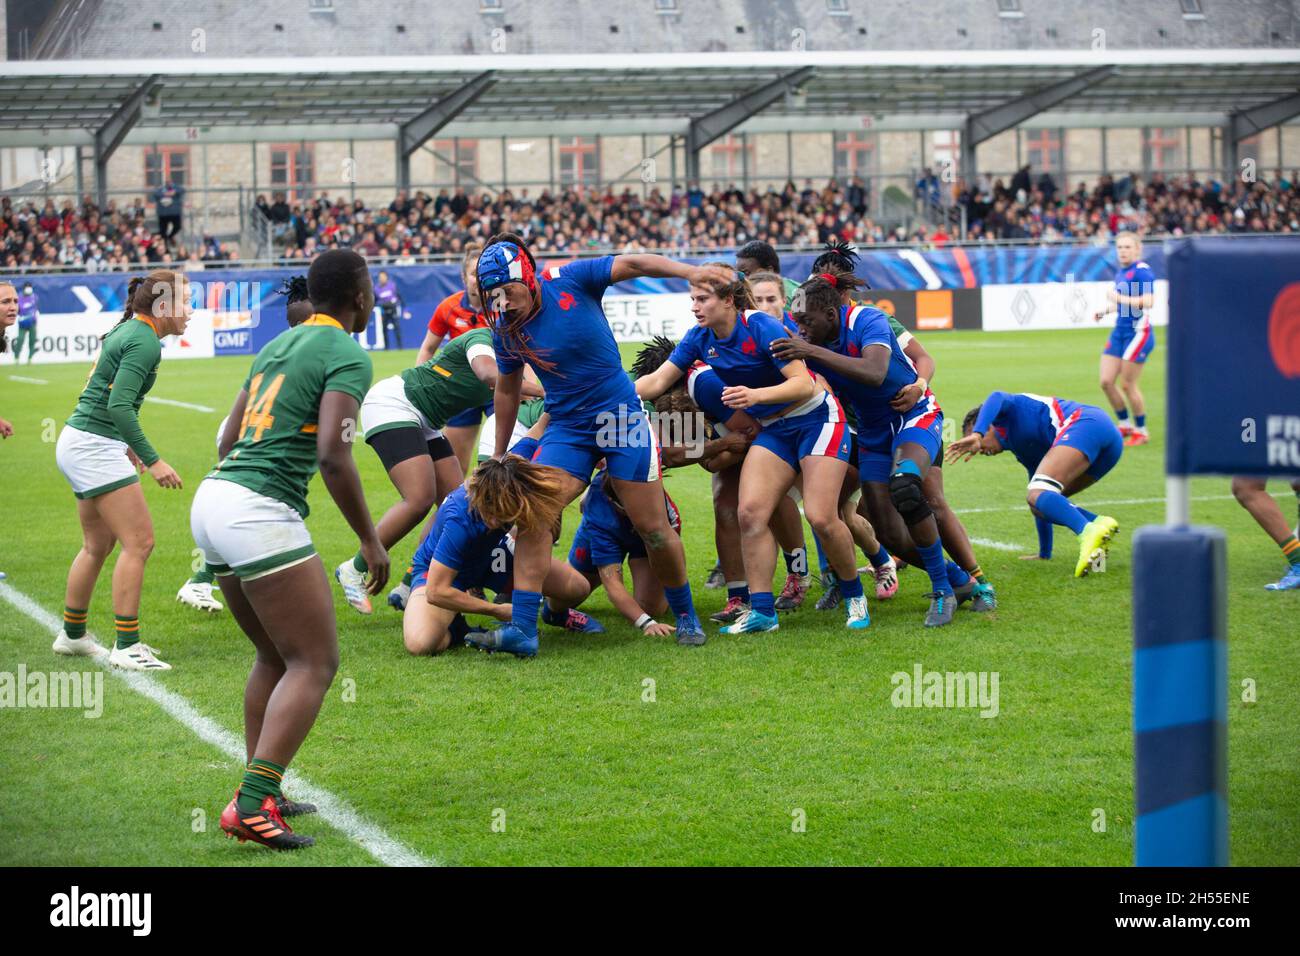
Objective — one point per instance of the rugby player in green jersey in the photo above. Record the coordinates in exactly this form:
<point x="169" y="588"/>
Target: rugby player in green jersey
<point x="101" y="451"/>
<point x="297" y="410"/>
<point x="196" y="592"/>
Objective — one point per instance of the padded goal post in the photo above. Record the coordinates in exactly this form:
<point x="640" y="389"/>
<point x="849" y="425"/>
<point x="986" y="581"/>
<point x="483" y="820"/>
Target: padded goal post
<point x="1233" y="409"/>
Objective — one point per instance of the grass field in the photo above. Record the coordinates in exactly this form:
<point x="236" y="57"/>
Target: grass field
<point x="743" y="738"/>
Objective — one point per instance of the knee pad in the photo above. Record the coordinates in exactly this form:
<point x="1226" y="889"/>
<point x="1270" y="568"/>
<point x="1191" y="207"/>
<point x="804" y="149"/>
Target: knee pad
<point x="905" y="491"/>
<point x="1045" y="483"/>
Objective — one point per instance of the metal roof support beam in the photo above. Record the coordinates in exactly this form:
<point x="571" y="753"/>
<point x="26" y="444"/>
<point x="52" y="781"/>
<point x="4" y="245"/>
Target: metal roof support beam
<point x="985" y="125"/>
<point x="414" y="133"/>
<point x="109" y="136"/>
<point x="705" y="129"/>
<point x="1247" y="123"/>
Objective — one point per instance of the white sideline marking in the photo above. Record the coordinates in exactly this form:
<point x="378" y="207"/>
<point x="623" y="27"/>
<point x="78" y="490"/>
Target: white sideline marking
<point x="1091" y="505"/>
<point x="332" y="809"/>
<point x="998" y="545"/>
<point x="169" y="401"/>
<point x="29" y="381"/>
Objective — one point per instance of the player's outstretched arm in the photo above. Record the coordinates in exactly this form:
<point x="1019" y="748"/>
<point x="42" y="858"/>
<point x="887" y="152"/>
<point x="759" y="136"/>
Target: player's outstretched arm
<point x="336" y="428"/>
<point x="650" y="387"/>
<point x="505" y="406"/>
<point x="611" y="579"/>
<point x="649" y="266"/>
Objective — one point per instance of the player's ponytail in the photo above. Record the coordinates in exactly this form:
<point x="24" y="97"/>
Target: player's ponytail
<point x="143" y="293"/>
<point x="737" y="291"/>
<point x="515" y="491"/>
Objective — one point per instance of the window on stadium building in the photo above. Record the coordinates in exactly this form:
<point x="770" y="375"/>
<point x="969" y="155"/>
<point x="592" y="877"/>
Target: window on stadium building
<point x="455" y="161"/>
<point x="166" y="164"/>
<point x="945" y="150"/>
<point x="1164" y="148"/>
<point x="293" y="169"/>
<point x="1042" y="151"/>
<point x="579" y="160"/>
<point x="855" y="155"/>
<point x="729" y="157"/>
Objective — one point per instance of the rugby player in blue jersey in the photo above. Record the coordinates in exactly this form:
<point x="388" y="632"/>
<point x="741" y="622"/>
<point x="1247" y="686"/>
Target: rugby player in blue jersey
<point x="1064" y="446"/>
<point x="1132" y="339"/>
<point x="856" y="351"/>
<point x="803" y="432"/>
<point x="554" y="323"/>
<point x="469" y="548"/>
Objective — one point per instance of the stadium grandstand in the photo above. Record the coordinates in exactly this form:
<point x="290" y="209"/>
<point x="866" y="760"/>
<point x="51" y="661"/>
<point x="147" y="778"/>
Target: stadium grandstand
<point x="1023" y="121"/>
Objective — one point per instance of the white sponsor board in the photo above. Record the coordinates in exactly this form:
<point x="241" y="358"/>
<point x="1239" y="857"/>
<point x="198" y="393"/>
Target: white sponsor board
<point x="639" y="318"/>
<point x="1057" y="305"/>
<point x="74" y="337"/>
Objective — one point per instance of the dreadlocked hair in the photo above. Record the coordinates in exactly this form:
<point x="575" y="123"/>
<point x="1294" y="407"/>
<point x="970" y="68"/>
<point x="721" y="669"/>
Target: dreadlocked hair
<point x="968" y="423"/>
<point x="838" y="253"/>
<point x="143" y="293"/>
<point x="516" y="491"/>
<point x="738" y="290"/>
<point x="817" y="295"/>
<point x="511" y="329"/>
<point x="652" y="355"/>
<point x="294" y="290"/>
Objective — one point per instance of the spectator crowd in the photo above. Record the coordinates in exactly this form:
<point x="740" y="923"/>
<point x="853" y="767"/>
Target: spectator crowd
<point x="577" y="220"/>
<point x="115" y="238"/>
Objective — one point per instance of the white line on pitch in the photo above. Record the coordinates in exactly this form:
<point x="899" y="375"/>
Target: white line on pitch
<point x="29" y="381"/>
<point x="332" y="809"/>
<point x="998" y="545"/>
<point x="1091" y="505"/>
<point x="169" y="401"/>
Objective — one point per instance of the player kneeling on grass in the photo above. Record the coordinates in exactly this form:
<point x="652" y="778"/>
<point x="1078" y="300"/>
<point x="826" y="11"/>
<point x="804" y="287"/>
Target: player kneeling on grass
<point x="603" y="539"/>
<point x="402" y="417"/>
<point x="469" y="549"/>
<point x="1065" y="447"/>
<point x="294" y="413"/>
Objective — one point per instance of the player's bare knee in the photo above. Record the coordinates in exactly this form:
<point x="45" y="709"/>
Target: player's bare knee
<point x="753" y="518"/>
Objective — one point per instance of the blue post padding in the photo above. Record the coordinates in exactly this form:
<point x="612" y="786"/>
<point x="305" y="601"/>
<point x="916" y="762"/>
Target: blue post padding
<point x="1180" y="678"/>
<point x="1191" y="833"/>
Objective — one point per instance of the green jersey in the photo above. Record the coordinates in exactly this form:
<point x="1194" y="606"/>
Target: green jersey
<point x="530" y="411"/>
<point x="120" y="379"/>
<point x="446" y="385"/>
<point x="791" y="287"/>
<point x="275" y="455"/>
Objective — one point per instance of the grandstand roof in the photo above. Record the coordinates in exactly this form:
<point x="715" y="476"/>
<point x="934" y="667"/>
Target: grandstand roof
<point x="69" y="100"/>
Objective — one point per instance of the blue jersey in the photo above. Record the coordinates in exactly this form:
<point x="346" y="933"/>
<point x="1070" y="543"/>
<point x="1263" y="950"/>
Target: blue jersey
<point x="459" y="538"/>
<point x="606" y="534"/>
<point x="609" y="535"/>
<point x="743" y="358"/>
<point x="1027" y="425"/>
<point x="862" y="326"/>
<point x="1136" y="279"/>
<point x="570" y="329"/>
<point x="705" y="388"/>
